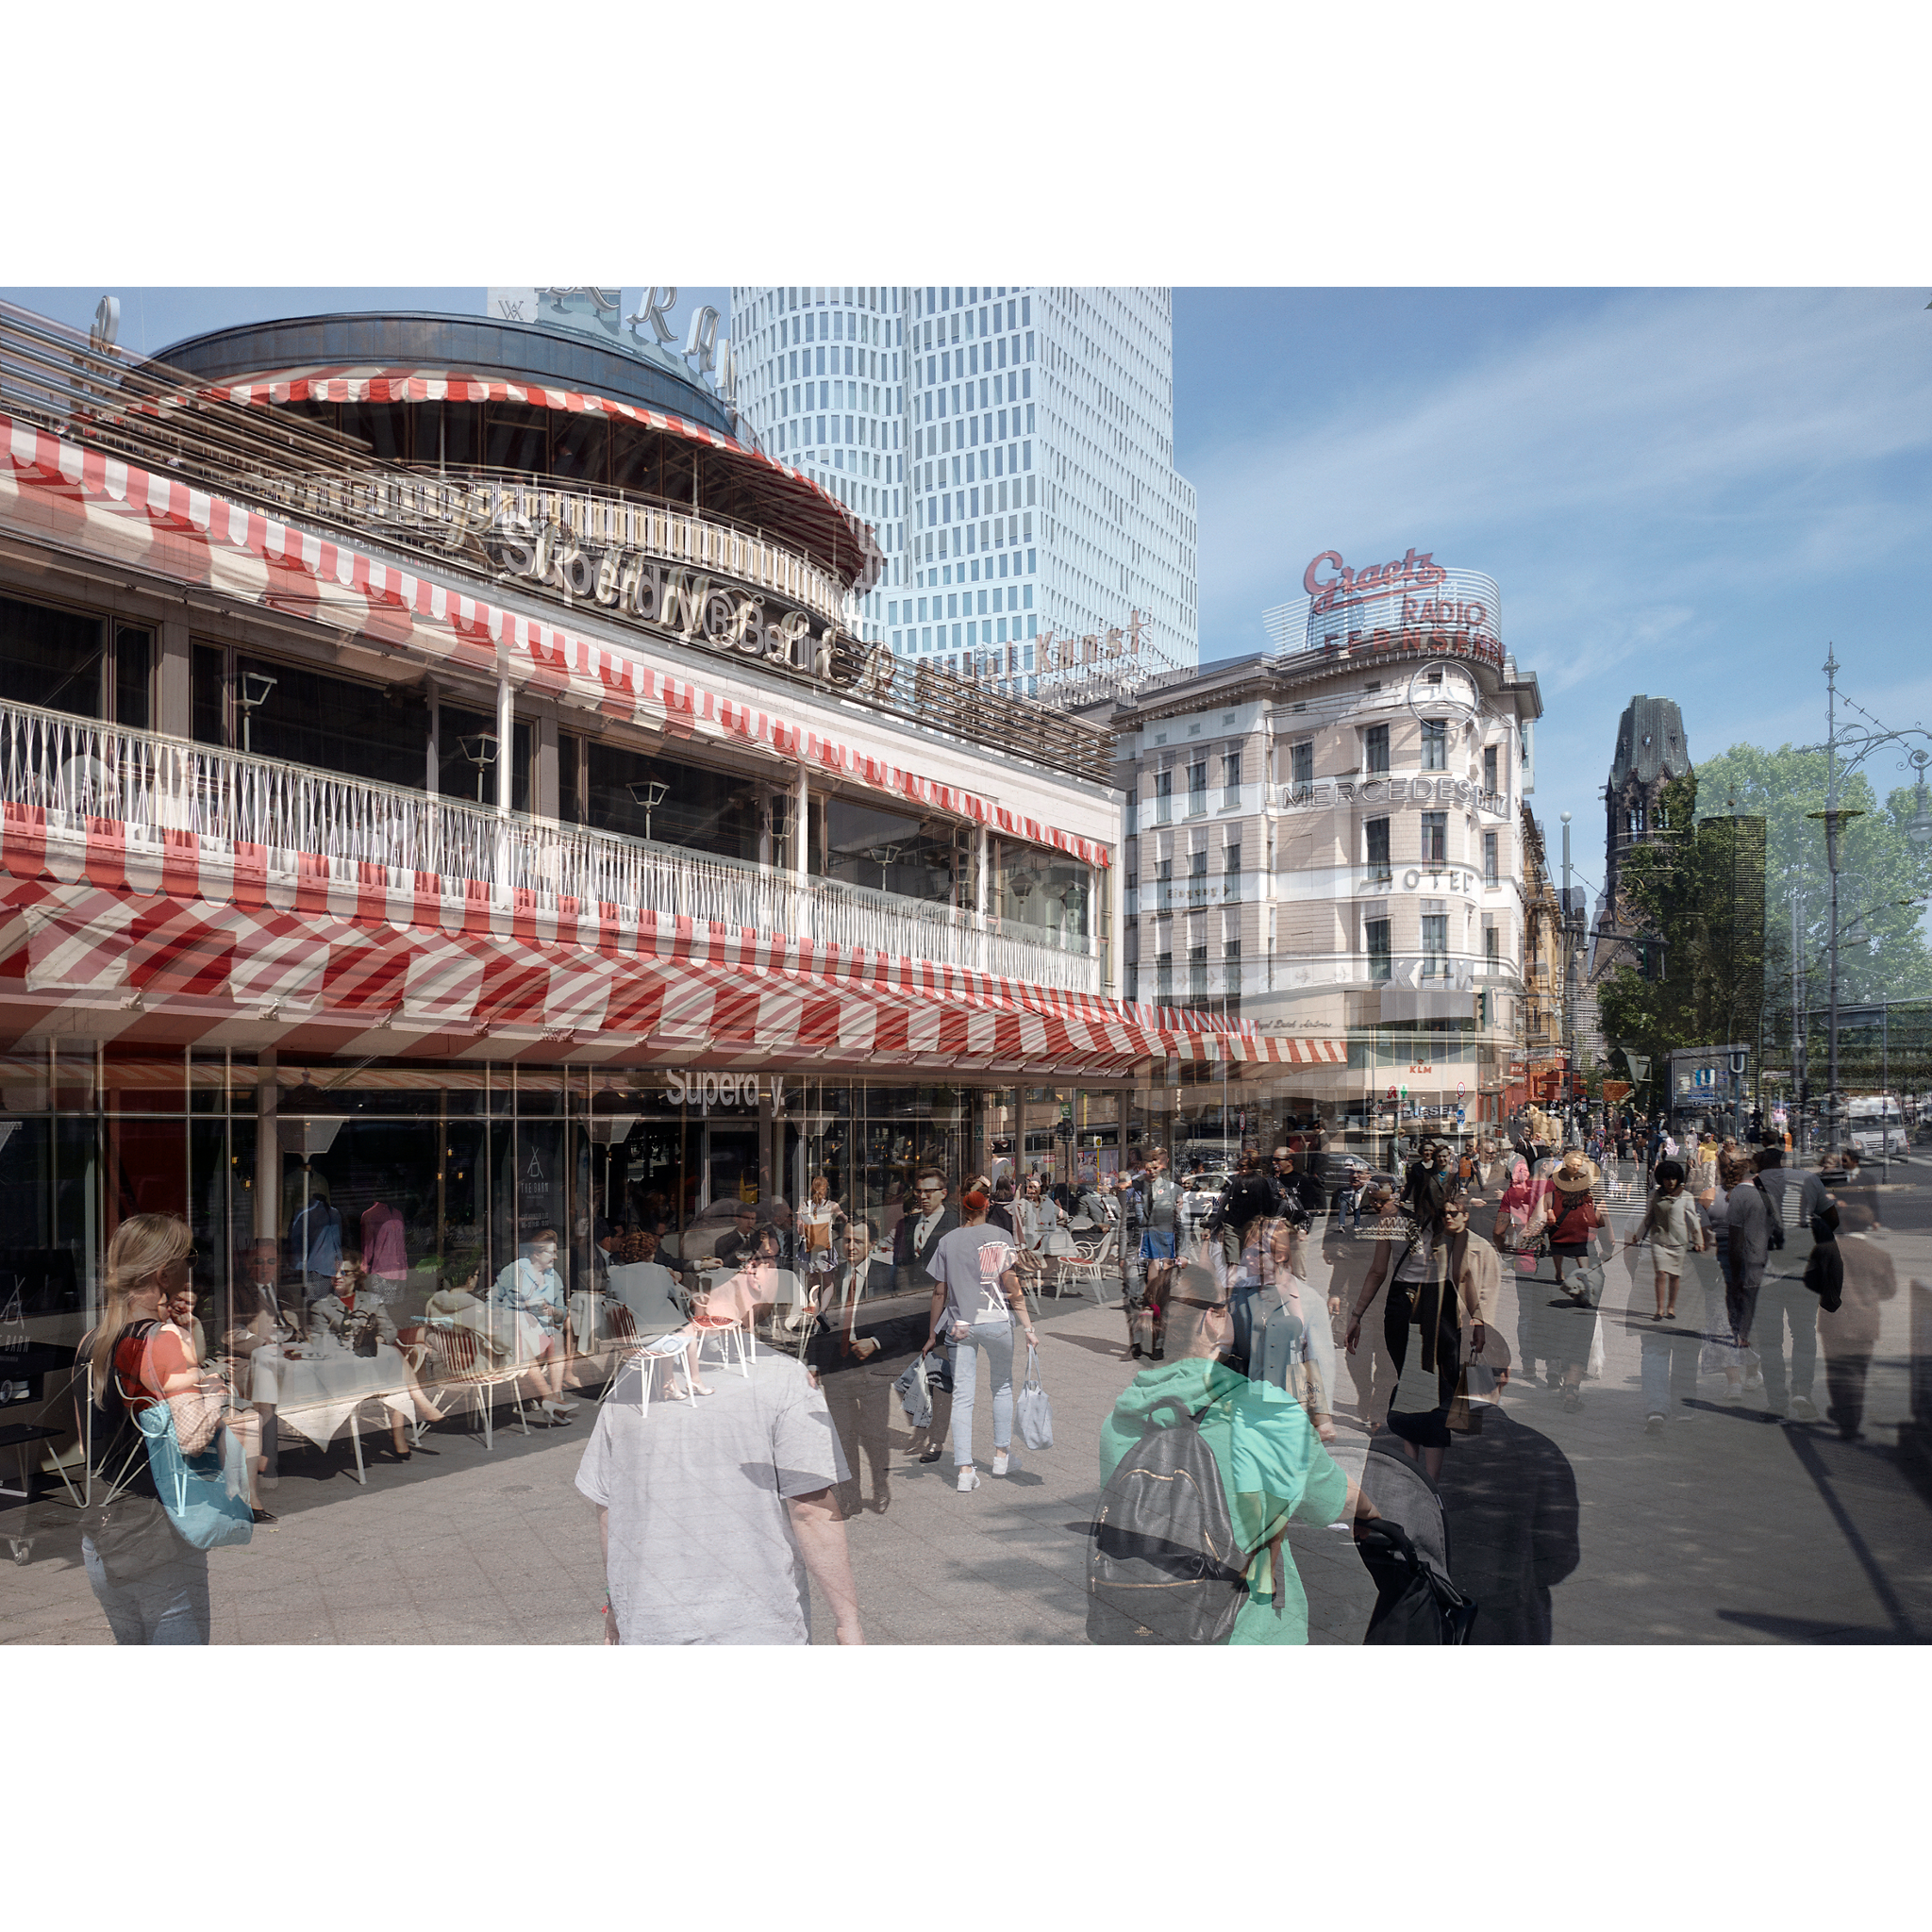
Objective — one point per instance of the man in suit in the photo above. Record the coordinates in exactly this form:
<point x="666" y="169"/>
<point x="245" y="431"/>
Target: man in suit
<point x="862" y="1274"/>
<point x="735" y="1245"/>
<point x="865" y="1334"/>
<point x="920" y="1231"/>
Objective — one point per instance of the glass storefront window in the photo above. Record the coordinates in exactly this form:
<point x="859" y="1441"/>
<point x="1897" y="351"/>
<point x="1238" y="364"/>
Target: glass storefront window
<point x="1045" y="891"/>
<point x="52" y="659"/>
<point x="329" y="723"/>
<point x="425" y="1171"/>
<point x="517" y="438"/>
<point x="892" y="852"/>
<point x="708" y="812"/>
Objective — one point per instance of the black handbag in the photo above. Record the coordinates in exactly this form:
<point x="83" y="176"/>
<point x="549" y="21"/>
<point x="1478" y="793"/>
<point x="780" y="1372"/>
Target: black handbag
<point x="132" y="1537"/>
<point x="1824" y="1269"/>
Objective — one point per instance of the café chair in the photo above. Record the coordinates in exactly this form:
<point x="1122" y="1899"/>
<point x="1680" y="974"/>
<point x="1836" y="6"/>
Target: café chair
<point x="467" y="1368"/>
<point x="1088" y="1262"/>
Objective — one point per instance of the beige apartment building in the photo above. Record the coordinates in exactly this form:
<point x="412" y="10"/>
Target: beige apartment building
<point x="1331" y="842"/>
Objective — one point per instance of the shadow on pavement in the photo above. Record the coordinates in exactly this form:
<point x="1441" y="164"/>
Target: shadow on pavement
<point x="1805" y="1629"/>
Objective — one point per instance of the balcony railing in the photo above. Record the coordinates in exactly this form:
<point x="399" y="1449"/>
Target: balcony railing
<point x="1253" y="979"/>
<point x="76" y="770"/>
<point x="441" y="507"/>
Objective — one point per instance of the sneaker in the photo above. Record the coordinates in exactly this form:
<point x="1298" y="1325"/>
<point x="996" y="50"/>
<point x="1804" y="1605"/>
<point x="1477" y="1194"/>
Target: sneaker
<point x="1755" y="1379"/>
<point x="1653" y="1426"/>
<point x="1802" y="1410"/>
<point x="968" y="1480"/>
<point x="1734" y="1394"/>
<point x="1003" y="1461"/>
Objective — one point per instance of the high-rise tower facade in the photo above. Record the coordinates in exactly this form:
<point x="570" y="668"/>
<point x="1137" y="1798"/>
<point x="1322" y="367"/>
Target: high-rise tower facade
<point x="1013" y="448"/>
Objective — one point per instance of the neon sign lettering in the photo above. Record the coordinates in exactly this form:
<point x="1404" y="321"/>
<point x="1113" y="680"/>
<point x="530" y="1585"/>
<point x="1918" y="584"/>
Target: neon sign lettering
<point x="1413" y="570"/>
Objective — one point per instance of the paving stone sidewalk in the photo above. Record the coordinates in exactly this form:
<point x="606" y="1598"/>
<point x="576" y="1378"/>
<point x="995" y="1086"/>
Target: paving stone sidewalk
<point x="1731" y="1527"/>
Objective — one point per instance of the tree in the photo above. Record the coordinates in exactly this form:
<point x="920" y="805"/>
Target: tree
<point x="1696" y="893"/>
<point x="1882" y="949"/>
<point x="1680" y="888"/>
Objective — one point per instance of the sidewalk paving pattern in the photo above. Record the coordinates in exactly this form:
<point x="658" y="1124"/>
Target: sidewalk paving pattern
<point x="1728" y="1528"/>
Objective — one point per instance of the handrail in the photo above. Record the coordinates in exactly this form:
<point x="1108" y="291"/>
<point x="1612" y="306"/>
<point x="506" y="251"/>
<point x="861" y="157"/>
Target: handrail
<point x="77" y="769"/>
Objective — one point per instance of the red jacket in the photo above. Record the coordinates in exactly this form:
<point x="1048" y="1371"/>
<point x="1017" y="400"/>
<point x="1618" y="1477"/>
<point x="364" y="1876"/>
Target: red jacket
<point x="1572" y="1218"/>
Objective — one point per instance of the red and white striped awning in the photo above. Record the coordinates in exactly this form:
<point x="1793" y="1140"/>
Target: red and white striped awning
<point x="333" y="383"/>
<point x="111" y="932"/>
<point x="88" y="501"/>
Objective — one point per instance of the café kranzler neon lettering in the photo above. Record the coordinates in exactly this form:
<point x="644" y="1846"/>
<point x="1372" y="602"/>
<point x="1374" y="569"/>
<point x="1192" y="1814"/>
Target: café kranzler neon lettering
<point x="688" y="604"/>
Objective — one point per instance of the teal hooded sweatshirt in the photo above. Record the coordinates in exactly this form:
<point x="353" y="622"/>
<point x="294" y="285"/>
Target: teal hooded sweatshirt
<point x="1273" y="1468"/>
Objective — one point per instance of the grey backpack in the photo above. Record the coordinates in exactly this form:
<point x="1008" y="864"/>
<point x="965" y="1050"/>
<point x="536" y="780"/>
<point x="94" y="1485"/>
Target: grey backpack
<point x="1162" y="1563"/>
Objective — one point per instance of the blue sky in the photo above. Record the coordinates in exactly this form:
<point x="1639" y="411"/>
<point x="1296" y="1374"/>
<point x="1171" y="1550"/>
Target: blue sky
<point x="1681" y="493"/>
<point x="1688" y="493"/>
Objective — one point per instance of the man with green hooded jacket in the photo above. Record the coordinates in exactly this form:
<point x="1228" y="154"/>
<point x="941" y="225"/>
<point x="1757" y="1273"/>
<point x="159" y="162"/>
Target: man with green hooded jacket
<point x="1274" y="1468"/>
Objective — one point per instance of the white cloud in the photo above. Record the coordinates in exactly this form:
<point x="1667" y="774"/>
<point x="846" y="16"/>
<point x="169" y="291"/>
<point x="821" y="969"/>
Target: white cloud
<point x="1709" y="422"/>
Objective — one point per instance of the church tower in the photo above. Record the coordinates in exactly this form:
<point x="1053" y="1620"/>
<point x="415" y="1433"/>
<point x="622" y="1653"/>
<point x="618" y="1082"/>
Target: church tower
<point x="1651" y="752"/>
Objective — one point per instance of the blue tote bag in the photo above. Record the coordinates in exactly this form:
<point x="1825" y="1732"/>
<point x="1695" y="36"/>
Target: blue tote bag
<point x="207" y="1495"/>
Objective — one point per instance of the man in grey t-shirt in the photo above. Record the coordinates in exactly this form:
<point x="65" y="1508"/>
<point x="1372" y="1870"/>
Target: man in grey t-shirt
<point x="1767" y="1292"/>
<point x="714" y="1511"/>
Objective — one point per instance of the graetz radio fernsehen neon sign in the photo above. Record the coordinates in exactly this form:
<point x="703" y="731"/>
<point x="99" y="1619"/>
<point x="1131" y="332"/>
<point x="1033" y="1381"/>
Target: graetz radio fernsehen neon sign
<point x="1422" y="621"/>
<point x="1410" y="572"/>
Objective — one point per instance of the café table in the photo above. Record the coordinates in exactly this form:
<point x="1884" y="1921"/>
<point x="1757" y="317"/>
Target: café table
<point x="319" y="1387"/>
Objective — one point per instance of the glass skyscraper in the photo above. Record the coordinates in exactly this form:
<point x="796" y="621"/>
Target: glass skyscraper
<point x="1014" y="450"/>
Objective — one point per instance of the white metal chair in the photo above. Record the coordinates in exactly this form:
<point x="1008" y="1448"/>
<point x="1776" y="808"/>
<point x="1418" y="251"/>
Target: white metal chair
<point x="1089" y="1261"/>
<point x="465" y="1368"/>
<point x="727" y="1334"/>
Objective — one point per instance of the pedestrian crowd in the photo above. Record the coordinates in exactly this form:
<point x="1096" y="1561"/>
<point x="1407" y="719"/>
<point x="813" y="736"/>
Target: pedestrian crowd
<point x="1309" y="1341"/>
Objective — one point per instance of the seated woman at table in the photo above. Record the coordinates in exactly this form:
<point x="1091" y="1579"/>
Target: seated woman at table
<point x="457" y="1303"/>
<point x="645" y="1286"/>
<point x="352" y="1310"/>
<point x="735" y="1302"/>
<point x="176" y="1312"/>
<point x="527" y="1300"/>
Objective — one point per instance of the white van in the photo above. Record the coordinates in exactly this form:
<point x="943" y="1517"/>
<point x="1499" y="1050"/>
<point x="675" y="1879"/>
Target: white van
<point x="1874" y="1124"/>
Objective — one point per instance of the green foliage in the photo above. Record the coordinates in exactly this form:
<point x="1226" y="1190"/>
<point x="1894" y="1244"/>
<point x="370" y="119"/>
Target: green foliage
<point x="1882" y="955"/>
<point x="1688" y="890"/>
<point x="1680" y="888"/>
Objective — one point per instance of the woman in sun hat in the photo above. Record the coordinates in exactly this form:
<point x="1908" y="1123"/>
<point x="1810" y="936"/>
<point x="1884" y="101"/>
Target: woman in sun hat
<point x="1570" y="1214"/>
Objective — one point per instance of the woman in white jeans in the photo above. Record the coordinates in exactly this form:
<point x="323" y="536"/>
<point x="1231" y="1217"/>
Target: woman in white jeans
<point x="977" y="1294"/>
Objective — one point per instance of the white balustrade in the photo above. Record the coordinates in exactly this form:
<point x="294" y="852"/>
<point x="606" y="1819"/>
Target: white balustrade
<point x="75" y="770"/>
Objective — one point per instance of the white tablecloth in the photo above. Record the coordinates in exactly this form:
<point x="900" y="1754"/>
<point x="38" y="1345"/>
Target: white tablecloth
<point x="315" y="1396"/>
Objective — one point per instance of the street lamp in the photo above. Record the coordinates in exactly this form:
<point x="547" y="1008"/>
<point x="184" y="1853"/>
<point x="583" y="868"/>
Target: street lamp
<point x="647" y="794"/>
<point x="1861" y="741"/>
<point x="480" y="750"/>
<point x="1920" y="830"/>
<point x="256" y="686"/>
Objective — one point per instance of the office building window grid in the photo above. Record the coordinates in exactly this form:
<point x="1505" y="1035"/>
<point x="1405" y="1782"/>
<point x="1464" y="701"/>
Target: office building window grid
<point x="1011" y="447"/>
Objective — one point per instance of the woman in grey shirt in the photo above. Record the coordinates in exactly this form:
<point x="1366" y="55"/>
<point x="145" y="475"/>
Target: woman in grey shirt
<point x="977" y="1291"/>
